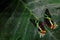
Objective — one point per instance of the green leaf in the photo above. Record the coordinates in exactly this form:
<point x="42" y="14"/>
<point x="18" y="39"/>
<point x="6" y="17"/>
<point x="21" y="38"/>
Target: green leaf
<point x="15" y="19"/>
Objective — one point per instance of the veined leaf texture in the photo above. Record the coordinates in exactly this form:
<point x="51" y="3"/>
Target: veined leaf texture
<point x="15" y="17"/>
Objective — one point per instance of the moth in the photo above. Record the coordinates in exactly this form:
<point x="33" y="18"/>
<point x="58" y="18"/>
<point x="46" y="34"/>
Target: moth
<point x="41" y="25"/>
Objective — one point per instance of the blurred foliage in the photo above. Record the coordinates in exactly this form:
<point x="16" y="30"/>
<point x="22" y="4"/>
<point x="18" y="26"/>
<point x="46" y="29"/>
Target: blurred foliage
<point x="15" y="19"/>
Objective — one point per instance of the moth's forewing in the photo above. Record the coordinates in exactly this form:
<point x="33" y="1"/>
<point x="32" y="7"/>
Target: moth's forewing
<point x="47" y="21"/>
<point x="47" y="13"/>
<point x="40" y="26"/>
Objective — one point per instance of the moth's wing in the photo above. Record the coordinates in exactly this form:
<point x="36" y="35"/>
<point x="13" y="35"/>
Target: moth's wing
<point x="33" y="20"/>
<point x="47" y="13"/>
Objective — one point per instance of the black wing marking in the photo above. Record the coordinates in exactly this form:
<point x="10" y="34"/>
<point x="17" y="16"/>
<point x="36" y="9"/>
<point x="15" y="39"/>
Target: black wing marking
<point x="46" y="20"/>
<point x="40" y="24"/>
<point x="47" y="13"/>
